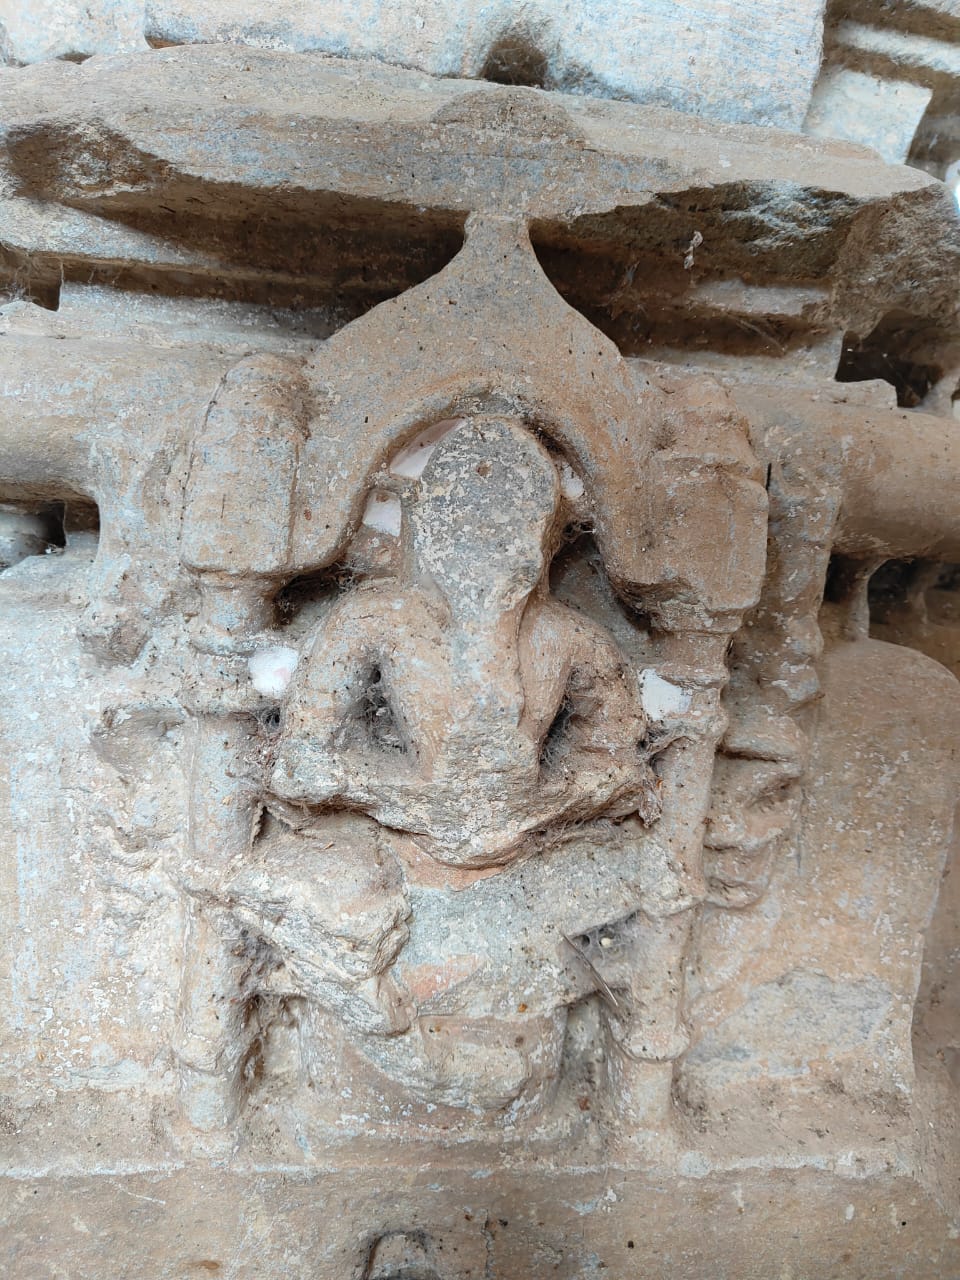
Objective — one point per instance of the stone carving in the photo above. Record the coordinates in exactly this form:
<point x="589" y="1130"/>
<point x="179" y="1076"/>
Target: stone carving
<point x="461" y="704"/>
<point x="477" y="721"/>
<point x="480" y="778"/>
<point x="481" y="724"/>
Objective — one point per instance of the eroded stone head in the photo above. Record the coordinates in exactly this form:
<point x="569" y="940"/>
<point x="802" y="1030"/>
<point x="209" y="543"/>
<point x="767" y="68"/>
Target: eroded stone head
<point x="482" y="514"/>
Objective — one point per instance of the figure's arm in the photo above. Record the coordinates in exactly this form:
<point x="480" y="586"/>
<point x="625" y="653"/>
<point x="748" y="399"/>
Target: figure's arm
<point x="602" y="695"/>
<point x="618" y="722"/>
<point x="324" y="721"/>
<point x="332" y="903"/>
<point x="591" y="725"/>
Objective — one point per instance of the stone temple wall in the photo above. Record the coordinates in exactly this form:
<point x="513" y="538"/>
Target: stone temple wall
<point x="480" y="598"/>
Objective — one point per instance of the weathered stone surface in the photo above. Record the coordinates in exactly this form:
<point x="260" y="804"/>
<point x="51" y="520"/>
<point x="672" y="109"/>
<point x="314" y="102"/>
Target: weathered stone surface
<point x="904" y="59"/>
<point x="841" y="1221"/>
<point x="757" y="69"/>
<point x="926" y="60"/>
<point x="458" y="822"/>
<point x="882" y="114"/>
<point x="48" y="29"/>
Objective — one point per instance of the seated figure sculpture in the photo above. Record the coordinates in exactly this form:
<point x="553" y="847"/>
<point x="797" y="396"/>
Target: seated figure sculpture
<point x="463" y="705"/>
<point x="460" y="845"/>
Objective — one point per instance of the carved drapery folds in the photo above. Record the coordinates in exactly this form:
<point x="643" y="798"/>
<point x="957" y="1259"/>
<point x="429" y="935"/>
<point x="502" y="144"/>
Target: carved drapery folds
<point x="479" y="743"/>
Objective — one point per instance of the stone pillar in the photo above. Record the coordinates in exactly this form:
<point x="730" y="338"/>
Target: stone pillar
<point x="465" y="813"/>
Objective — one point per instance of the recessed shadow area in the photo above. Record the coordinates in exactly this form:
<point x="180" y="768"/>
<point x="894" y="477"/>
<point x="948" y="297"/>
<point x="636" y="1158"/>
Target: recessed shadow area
<point x="737" y="269"/>
<point x="172" y="234"/>
<point x="916" y="603"/>
<point x="902" y="349"/>
<point x="517" y="57"/>
<point x="43" y="528"/>
<point x="346" y="255"/>
<point x="579" y="580"/>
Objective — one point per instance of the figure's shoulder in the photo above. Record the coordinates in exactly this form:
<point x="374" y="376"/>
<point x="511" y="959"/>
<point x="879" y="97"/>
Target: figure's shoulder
<point x="384" y="607"/>
<point x="373" y="597"/>
<point x="550" y="621"/>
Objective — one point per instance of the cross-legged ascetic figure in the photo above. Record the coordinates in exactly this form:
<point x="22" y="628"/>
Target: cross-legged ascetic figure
<point x="462" y="704"/>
